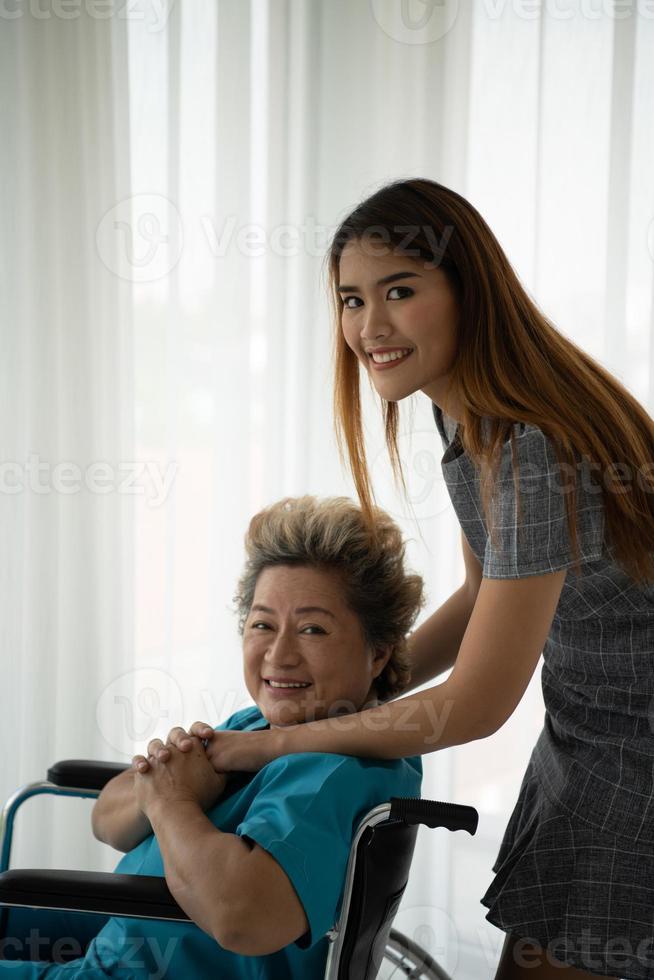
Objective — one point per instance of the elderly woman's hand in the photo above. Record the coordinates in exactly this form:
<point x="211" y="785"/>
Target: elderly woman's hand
<point x="157" y="750"/>
<point x="227" y="751"/>
<point x="182" y="776"/>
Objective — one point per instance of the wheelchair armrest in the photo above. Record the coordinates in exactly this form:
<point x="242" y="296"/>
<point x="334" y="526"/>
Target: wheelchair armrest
<point x="107" y="893"/>
<point x="84" y="773"/>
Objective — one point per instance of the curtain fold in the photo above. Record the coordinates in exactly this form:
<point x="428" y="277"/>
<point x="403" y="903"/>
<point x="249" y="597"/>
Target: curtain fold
<point x="67" y="422"/>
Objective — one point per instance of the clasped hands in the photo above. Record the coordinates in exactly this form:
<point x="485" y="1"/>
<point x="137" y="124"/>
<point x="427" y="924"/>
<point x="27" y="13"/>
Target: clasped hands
<point x="183" y="769"/>
<point x="178" y="737"/>
<point x="179" y="771"/>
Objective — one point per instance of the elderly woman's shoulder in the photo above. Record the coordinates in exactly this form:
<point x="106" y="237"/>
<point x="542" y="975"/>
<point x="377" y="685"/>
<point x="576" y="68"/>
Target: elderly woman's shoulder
<point x="241" y="719"/>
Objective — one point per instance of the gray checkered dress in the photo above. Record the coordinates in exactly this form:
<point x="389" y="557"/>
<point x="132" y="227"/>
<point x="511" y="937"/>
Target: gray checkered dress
<point x="575" y="869"/>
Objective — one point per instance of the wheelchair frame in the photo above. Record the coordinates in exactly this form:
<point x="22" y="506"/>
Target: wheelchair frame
<point x="377" y="874"/>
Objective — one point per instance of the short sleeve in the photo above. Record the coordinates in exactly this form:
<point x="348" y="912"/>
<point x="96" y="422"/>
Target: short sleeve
<point x="542" y="543"/>
<point x="305" y="815"/>
<point x="239" y="720"/>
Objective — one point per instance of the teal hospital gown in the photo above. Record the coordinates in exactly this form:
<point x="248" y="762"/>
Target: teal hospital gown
<point x="302" y="808"/>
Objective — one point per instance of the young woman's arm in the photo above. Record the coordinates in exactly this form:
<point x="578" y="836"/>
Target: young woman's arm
<point x="435" y="645"/>
<point x="501" y="647"/>
<point x="116" y="818"/>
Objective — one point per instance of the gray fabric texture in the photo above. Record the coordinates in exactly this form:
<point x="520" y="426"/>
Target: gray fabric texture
<point x="585" y="810"/>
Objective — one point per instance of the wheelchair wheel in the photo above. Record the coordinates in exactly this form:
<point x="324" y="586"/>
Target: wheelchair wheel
<point x="405" y="958"/>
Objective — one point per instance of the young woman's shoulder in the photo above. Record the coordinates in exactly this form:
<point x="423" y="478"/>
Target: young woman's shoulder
<point x="535" y="539"/>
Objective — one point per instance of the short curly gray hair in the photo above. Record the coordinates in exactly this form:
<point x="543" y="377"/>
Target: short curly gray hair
<point x="330" y="533"/>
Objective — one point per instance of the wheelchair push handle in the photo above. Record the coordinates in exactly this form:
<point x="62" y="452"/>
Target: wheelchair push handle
<point x="434" y="813"/>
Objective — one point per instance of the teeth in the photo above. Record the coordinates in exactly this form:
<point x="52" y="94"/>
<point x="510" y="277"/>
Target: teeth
<point x="393" y="356"/>
<point x="275" y="684"/>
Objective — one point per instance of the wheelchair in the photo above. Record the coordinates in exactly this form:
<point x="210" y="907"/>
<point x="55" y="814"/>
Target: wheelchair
<point x="362" y="941"/>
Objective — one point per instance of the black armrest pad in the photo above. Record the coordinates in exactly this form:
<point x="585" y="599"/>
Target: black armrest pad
<point x="84" y="773"/>
<point x="139" y="896"/>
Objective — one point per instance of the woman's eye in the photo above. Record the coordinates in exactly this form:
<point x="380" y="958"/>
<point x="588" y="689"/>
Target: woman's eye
<point x="319" y="628"/>
<point x="405" y="289"/>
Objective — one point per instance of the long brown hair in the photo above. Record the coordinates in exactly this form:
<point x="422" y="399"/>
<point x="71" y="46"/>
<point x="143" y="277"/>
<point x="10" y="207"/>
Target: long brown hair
<point x="511" y="365"/>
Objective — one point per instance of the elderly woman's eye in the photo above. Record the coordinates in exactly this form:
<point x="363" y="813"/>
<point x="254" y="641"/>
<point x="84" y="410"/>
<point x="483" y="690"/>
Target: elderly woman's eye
<point x="319" y="628"/>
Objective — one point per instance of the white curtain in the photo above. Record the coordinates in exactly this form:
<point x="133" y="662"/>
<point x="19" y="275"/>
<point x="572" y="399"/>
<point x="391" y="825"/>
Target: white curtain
<point x="67" y="571"/>
<point x="172" y="174"/>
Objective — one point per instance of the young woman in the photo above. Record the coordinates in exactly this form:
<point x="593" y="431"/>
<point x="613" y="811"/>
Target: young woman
<point x="548" y="463"/>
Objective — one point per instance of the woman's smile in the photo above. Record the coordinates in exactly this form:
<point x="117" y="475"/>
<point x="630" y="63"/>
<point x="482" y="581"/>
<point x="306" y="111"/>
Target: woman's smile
<point x="385" y="365"/>
<point x="287" y="690"/>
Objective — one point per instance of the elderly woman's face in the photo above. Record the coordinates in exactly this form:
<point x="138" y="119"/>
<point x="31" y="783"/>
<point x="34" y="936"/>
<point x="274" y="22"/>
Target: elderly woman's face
<point x="322" y="647"/>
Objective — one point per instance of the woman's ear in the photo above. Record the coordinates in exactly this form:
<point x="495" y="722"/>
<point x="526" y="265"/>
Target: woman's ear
<point x="381" y="656"/>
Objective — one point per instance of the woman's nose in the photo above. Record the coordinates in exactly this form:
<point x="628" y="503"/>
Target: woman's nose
<point x="375" y="325"/>
<point x="283" y="650"/>
<point x="374" y="333"/>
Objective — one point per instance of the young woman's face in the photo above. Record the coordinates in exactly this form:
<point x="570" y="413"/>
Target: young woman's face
<point x="327" y="651"/>
<point x="418" y="313"/>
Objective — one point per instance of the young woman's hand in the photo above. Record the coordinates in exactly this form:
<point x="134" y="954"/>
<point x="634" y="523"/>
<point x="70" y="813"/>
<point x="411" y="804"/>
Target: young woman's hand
<point x="184" y="775"/>
<point x="235" y="751"/>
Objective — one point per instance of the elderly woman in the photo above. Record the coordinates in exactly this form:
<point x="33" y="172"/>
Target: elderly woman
<point x="258" y="859"/>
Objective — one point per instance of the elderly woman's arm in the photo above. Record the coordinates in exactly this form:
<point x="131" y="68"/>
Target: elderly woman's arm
<point x="116" y="817"/>
<point x="219" y="880"/>
<point x="211" y="875"/>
